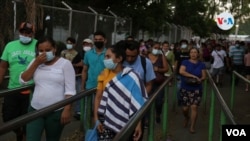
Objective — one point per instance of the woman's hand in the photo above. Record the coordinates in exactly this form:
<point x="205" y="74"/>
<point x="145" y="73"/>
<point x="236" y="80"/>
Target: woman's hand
<point x="100" y="128"/>
<point x="65" y="117"/>
<point x="40" y="59"/>
<point x="138" y="132"/>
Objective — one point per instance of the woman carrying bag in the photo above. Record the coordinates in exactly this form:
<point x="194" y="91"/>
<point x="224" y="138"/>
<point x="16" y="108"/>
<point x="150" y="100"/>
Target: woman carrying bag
<point x="191" y="91"/>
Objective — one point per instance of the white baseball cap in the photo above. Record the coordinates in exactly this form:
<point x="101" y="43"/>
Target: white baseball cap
<point x="88" y="41"/>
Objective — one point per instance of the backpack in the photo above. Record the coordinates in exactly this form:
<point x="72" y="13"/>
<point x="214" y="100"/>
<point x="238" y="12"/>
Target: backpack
<point x="143" y="63"/>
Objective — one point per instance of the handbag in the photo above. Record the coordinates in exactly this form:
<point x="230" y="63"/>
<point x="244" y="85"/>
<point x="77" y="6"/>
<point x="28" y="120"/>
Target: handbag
<point x="91" y="134"/>
<point x="159" y="78"/>
<point x="191" y="81"/>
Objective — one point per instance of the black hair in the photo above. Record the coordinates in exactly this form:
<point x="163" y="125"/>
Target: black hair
<point x="165" y="42"/>
<point x="100" y="33"/>
<point x="194" y="49"/>
<point x="119" y="49"/>
<point x="156" y="43"/>
<point x="130" y="36"/>
<point x="45" y="39"/>
<point x="183" y="41"/>
<point x="71" y="39"/>
<point x="132" y="45"/>
<point x="242" y="43"/>
<point x="60" y="46"/>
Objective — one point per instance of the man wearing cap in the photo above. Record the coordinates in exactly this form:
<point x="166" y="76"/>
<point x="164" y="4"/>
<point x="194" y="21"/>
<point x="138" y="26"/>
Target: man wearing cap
<point x="16" y="56"/>
<point x="87" y="44"/>
<point x="93" y="66"/>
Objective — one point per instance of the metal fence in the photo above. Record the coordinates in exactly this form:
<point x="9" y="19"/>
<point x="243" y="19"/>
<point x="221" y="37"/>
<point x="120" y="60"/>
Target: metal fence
<point x="171" y="33"/>
<point x="61" y="23"/>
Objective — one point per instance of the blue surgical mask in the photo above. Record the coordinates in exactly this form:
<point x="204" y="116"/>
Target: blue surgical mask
<point x="69" y="46"/>
<point x="155" y="51"/>
<point x="109" y="64"/>
<point x="24" y="39"/>
<point x="50" y="55"/>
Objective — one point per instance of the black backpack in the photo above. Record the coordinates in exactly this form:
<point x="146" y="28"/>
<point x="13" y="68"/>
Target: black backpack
<point x="143" y="63"/>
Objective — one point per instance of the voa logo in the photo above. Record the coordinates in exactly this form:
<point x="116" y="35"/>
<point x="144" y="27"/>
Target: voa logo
<point x="236" y="132"/>
<point x="225" y="21"/>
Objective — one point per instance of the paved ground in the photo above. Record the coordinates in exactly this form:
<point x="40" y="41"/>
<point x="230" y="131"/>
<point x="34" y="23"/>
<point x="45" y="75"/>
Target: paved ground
<point x="176" y="132"/>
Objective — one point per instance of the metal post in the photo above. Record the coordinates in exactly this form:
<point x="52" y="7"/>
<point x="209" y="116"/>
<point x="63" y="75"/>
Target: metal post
<point x="169" y="33"/>
<point x="236" y="30"/>
<point x="115" y="24"/>
<point x="14" y="8"/>
<point x="232" y="91"/>
<point x="165" y="112"/>
<point x="131" y="25"/>
<point x="70" y="16"/>
<point x="175" y="32"/>
<point x="96" y="14"/>
<point x="211" y="117"/>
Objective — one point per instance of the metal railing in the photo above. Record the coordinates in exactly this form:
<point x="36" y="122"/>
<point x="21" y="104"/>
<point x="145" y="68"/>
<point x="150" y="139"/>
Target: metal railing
<point x="24" y="119"/>
<point x="225" y="112"/>
<point x="126" y="131"/>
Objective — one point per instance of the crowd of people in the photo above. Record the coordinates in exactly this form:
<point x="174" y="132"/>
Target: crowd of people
<point x="125" y="74"/>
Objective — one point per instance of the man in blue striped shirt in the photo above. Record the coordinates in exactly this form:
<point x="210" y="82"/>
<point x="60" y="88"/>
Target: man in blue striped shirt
<point x="236" y="54"/>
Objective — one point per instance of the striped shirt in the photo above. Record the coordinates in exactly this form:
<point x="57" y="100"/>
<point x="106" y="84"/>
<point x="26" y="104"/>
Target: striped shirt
<point x="123" y="96"/>
<point x="237" y="55"/>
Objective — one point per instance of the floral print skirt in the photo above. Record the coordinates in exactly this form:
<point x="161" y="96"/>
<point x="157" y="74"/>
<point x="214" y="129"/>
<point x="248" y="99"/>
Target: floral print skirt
<point x="190" y="97"/>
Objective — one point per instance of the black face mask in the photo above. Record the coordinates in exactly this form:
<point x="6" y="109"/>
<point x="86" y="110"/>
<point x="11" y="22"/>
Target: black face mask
<point x="99" y="44"/>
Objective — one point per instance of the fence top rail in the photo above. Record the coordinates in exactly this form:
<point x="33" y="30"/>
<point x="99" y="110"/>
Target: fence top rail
<point x="222" y="102"/>
<point x="24" y="119"/>
<point x="241" y="77"/>
<point x="15" y="90"/>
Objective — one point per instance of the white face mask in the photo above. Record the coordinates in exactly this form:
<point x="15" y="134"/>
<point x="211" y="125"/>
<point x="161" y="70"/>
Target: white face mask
<point x="24" y="39"/>
<point x="69" y="46"/>
<point x="49" y="55"/>
<point x="155" y="51"/>
<point x="184" y="46"/>
<point x="86" y="48"/>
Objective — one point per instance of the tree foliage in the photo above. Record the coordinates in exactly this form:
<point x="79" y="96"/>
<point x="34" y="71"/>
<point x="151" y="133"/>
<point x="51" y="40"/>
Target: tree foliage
<point x="147" y="15"/>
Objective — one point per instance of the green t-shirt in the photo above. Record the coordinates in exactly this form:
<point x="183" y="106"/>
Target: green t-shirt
<point x="18" y="56"/>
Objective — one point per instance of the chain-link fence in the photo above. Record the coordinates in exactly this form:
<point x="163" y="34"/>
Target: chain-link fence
<point x="171" y="33"/>
<point x="61" y="23"/>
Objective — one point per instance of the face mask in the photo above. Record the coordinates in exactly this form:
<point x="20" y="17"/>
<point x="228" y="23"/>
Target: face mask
<point x="109" y="64"/>
<point x="99" y="44"/>
<point x="237" y="45"/>
<point x="172" y="47"/>
<point x="69" y="46"/>
<point x="24" y="39"/>
<point x="86" y="48"/>
<point x="155" y="51"/>
<point x="50" y="55"/>
<point x="184" y="46"/>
